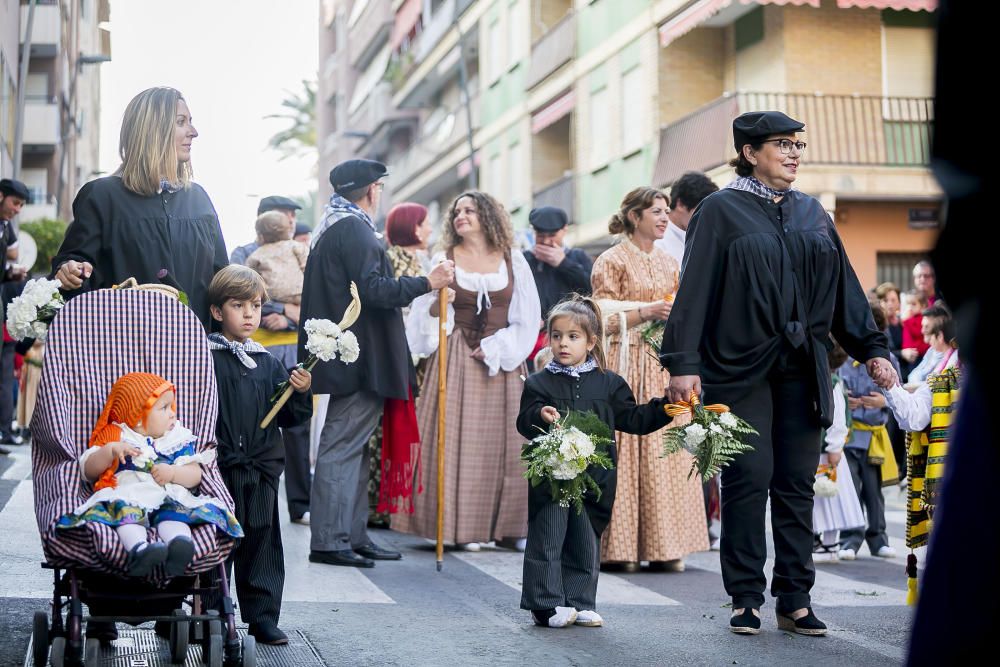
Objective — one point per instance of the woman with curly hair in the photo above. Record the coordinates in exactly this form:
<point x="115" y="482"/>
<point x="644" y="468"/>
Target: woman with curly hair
<point x="493" y="304"/>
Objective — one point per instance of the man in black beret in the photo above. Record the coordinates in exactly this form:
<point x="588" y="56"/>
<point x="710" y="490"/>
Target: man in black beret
<point x="558" y="270"/>
<point x="345" y="249"/>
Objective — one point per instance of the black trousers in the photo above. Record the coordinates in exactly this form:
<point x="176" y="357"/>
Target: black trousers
<point x="782" y="466"/>
<point x="868" y="483"/>
<point x="298" y="481"/>
<point x="562" y="558"/>
<point x="258" y="559"/>
<point x="7" y="391"/>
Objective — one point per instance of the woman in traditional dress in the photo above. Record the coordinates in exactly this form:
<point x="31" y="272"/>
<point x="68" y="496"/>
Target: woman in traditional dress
<point x="494" y="312"/>
<point x="659" y="512"/>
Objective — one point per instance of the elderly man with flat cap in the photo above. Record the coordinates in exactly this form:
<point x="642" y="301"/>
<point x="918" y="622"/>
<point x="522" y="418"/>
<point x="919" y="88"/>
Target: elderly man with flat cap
<point x="765" y="282"/>
<point x="346" y="248"/>
<point x="558" y="270"/>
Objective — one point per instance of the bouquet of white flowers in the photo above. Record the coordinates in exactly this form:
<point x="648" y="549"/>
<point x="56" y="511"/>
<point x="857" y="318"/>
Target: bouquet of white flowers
<point x="324" y="341"/>
<point x="712" y="434"/>
<point x="561" y="456"/>
<point x="30" y="314"/>
<point x="825" y="485"/>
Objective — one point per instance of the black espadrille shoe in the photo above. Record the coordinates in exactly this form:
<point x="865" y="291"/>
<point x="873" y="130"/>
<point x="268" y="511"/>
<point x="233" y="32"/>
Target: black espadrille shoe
<point x="807" y="625"/>
<point x="746" y="623"/>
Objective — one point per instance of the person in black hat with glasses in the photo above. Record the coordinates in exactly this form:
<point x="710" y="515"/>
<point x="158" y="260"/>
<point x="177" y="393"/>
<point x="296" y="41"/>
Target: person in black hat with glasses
<point x="558" y="270"/>
<point x="13" y="196"/>
<point x="765" y="281"/>
<point x="346" y="248"/>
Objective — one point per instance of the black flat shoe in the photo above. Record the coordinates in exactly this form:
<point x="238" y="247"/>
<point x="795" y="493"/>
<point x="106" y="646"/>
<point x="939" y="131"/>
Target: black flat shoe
<point x="746" y="623"/>
<point x="180" y="551"/>
<point x="144" y="557"/>
<point x="103" y="631"/>
<point x="808" y="625"/>
<point x="375" y="552"/>
<point x="347" y="558"/>
<point x="267" y="633"/>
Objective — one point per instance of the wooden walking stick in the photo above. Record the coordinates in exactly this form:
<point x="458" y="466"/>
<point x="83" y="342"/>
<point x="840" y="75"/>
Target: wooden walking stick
<point x="442" y="394"/>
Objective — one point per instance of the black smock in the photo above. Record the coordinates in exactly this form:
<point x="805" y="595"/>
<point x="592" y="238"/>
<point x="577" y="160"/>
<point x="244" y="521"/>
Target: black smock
<point x="736" y="310"/>
<point x="608" y="396"/>
<point x="244" y="395"/>
<point x="556" y="282"/>
<point x="349" y="251"/>
<point x="127" y="235"/>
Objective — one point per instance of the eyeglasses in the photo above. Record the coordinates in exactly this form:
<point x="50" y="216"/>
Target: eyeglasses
<point x="785" y="145"/>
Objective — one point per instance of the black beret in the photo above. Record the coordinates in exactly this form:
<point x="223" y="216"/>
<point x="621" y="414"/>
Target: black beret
<point x="277" y="201"/>
<point x="355" y="174"/>
<point x="760" y="124"/>
<point x="8" y="186"/>
<point x="548" y="218"/>
<point x="301" y="228"/>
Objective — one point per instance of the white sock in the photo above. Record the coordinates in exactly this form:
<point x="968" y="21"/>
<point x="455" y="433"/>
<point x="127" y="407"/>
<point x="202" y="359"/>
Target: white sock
<point x="131" y="534"/>
<point x="168" y="530"/>
<point x="830" y="537"/>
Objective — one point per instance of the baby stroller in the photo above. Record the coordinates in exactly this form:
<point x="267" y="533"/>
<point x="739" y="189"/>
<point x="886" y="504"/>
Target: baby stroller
<point x="97" y="338"/>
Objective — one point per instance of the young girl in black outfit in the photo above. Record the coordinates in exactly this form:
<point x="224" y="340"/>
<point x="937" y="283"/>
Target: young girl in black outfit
<point x="562" y="557"/>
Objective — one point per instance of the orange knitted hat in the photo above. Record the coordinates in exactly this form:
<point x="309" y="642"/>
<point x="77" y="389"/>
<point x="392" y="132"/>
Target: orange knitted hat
<point x="129" y="401"/>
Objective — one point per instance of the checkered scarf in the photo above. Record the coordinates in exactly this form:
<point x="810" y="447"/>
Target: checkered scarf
<point x="217" y="341"/>
<point x="751" y="184"/>
<point x="573" y="371"/>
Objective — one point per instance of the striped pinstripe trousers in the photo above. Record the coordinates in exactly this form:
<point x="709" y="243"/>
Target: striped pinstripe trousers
<point x="258" y="559"/>
<point x="562" y="558"/>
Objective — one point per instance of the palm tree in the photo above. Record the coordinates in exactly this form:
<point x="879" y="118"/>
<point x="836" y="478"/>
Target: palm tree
<point x="300" y="138"/>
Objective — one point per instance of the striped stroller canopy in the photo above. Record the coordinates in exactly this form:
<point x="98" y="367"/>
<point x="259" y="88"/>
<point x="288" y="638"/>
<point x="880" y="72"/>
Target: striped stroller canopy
<point x="97" y="338"/>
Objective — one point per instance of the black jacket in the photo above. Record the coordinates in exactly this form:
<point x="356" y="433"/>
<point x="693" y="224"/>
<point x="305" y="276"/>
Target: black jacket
<point x="126" y="235"/>
<point x="736" y="310"/>
<point x="244" y="395"/>
<point x="608" y="396"/>
<point x="348" y="250"/>
<point x="556" y="282"/>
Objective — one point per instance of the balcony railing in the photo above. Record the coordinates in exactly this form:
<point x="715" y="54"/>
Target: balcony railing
<point x="552" y="50"/>
<point x="370" y="32"/>
<point x="378" y="109"/>
<point x="440" y="134"/>
<point x="840" y="129"/>
<point x="41" y="124"/>
<point x="435" y="29"/>
<point x="46" y="31"/>
<point x="560" y="194"/>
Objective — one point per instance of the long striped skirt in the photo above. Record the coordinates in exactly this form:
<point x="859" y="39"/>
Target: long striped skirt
<point x="485" y="493"/>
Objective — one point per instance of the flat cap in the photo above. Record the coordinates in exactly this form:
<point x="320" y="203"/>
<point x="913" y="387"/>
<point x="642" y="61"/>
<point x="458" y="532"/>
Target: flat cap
<point x="760" y="124"/>
<point x="548" y="218"/>
<point x="277" y="201"/>
<point x="355" y="174"/>
<point x="9" y="186"/>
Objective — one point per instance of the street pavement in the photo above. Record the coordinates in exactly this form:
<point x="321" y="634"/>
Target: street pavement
<point x="407" y="613"/>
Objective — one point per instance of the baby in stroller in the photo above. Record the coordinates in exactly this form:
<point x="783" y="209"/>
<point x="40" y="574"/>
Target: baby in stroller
<point x="144" y="463"/>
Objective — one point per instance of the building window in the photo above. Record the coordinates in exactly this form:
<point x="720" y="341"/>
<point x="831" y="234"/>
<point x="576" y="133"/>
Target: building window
<point x="496" y="177"/>
<point x="495" y="56"/>
<point x="600" y="124"/>
<point x="515" y="157"/>
<point x="897" y="267"/>
<point x="633" y="107"/>
<point x="749" y="28"/>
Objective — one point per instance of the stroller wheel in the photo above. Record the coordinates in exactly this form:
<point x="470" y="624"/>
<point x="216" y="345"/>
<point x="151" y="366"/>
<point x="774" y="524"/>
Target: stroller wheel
<point x="40" y="639"/>
<point x="57" y="656"/>
<point x="211" y="648"/>
<point x="92" y="653"/>
<point x="249" y="651"/>
<point x="179" y="634"/>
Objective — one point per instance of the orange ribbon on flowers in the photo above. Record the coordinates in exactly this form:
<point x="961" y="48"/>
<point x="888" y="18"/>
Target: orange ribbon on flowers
<point x="828" y="470"/>
<point x="687" y="407"/>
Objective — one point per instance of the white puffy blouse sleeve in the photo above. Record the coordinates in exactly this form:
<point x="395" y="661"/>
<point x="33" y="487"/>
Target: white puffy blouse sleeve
<point x="912" y="411"/>
<point x="836" y="435"/>
<point x="422" y="329"/>
<point x="510" y="346"/>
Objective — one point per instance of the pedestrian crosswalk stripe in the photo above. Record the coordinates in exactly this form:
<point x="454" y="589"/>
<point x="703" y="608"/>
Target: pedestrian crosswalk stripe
<point x="23" y="576"/>
<point x="505" y="567"/>
<point x="830" y="590"/>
